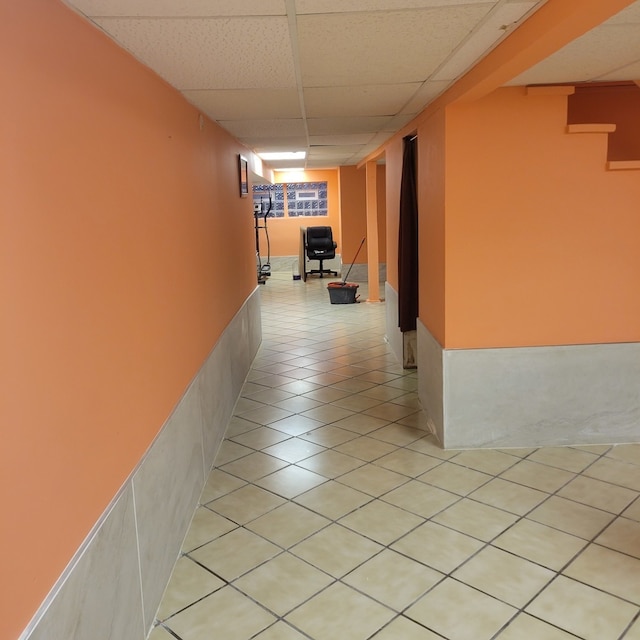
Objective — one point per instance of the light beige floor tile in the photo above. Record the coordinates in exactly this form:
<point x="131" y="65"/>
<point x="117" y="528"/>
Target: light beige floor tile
<point x="221" y="556"/>
<point x="634" y="632"/>
<point x="326" y="394"/>
<point x="327" y="413"/>
<point x="333" y="499"/>
<point x="329" y="436"/>
<point x="294" y="450"/>
<point x="541" y="544"/>
<point x="437" y="547"/>
<point x="254" y="466"/>
<point x="459" y="612"/>
<point x="159" y="633"/>
<point x="353" y="385"/>
<point x="598" y="449"/>
<point x="519" y="452"/>
<point x="287" y="525"/>
<point x="291" y="481"/>
<point x="373" y="480"/>
<point x="397" y="434"/>
<point x="244" y="405"/>
<point x="298" y="387"/>
<point x="407" y="462"/>
<point x="219" y="483"/>
<point x="230" y="451"/>
<point x="189" y="583"/>
<point x="509" y="496"/>
<point x="582" y="610"/>
<point x="420" y="498"/>
<point x="383" y="393"/>
<point x="361" y="423"/>
<point x="271" y="396"/>
<point x="238" y="425"/>
<point x="405" y="629"/>
<point x="336" y="550"/>
<point x="205" y="526"/>
<point x="633" y="511"/>
<point x="352" y="615"/>
<point x="331" y="464"/>
<point x="366" y="448"/>
<point x="525" y="627"/>
<point x="417" y="420"/>
<point x="381" y="522"/>
<point x="241" y="618"/>
<point x="283" y="583"/>
<point x="504" y="576"/>
<point x="326" y="379"/>
<point x="454" y="478"/>
<point x="280" y="631"/>
<point x="393" y="579"/>
<point x="617" y="472"/>
<point x="265" y="415"/>
<point x="245" y="504"/>
<point x="297" y="404"/>
<point x="296" y="425"/>
<point x="538" y="476"/>
<point x="567" y="458"/>
<point x="475" y="519"/>
<point x="488" y="461"/>
<point x="389" y="411"/>
<point x="429" y="444"/>
<point x="608" y="570"/>
<point x="598" y="494"/>
<point x="622" y="535"/>
<point x="626" y="453"/>
<point x="260" y="438"/>
<point x="410" y="399"/>
<point x="571" y="517"/>
<point x="356" y="402"/>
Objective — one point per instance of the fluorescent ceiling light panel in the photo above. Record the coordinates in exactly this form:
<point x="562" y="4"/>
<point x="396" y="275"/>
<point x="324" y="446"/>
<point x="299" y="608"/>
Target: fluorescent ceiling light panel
<point x="283" y="155"/>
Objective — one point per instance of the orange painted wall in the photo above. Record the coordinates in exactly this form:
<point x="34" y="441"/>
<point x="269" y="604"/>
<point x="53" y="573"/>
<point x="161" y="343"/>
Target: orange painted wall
<point x="284" y="233"/>
<point x="432" y="165"/>
<point x="541" y="240"/>
<point x="126" y="251"/>
<point x="353" y="206"/>
<point x="610" y="104"/>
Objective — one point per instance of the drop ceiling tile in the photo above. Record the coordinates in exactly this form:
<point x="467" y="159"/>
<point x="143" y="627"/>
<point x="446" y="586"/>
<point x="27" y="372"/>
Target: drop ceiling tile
<point x="428" y="92"/>
<point x="371" y="47"/>
<point x="629" y="72"/>
<point x="281" y="143"/>
<point x="397" y="122"/>
<point x="344" y="150"/>
<point x="249" y="104"/>
<point x="630" y="15"/>
<point x="344" y="140"/>
<point x="292" y="127"/>
<point x="354" y="124"/>
<point x="494" y="28"/>
<point x="340" y="6"/>
<point x="599" y="52"/>
<point x="371" y="100"/>
<point x="157" y="8"/>
<point x="209" y="53"/>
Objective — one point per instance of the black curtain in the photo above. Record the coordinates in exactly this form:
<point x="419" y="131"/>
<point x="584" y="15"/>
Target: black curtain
<point x="408" y="239"/>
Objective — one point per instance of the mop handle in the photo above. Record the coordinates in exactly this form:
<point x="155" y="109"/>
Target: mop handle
<point x="354" y="260"/>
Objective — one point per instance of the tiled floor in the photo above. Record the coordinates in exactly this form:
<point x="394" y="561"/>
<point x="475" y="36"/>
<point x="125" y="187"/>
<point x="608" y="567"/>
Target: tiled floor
<point x="331" y="515"/>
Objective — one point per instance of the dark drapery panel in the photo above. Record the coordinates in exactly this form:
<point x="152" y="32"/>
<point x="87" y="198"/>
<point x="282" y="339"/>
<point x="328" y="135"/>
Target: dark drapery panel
<point x="408" y="239"/>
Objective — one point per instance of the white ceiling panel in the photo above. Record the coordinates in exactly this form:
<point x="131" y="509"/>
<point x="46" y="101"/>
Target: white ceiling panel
<point x="371" y="100"/>
<point x="590" y="57"/>
<point x="283" y="74"/>
<point x="288" y="128"/>
<point x="373" y="48"/>
<point x="210" y="53"/>
<point x="182" y="8"/>
<point x="357" y="124"/>
<point x="247" y="104"/>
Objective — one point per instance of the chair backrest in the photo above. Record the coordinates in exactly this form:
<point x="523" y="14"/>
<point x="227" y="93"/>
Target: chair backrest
<point x="320" y="242"/>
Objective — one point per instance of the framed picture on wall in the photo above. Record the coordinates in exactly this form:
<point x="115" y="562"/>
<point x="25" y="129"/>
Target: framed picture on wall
<point x="243" y="176"/>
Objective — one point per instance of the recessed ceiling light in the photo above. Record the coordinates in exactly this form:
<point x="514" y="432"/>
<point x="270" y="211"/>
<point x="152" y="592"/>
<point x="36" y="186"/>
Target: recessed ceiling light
<point x="283" y="155"/>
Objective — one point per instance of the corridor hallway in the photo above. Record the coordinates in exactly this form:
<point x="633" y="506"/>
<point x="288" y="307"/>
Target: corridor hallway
<point x="331" y="514"/>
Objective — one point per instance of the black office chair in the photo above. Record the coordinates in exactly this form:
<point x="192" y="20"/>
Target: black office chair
<point x="320" y="246"/>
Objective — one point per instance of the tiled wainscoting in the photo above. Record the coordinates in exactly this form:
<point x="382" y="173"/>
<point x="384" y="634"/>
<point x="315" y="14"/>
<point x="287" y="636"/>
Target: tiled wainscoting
<point x="124" y="564"/>
<point x="530" y="396"/>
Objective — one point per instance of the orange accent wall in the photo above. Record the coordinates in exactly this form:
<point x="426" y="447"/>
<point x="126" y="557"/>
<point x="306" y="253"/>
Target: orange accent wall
<point x="126" y="251"/>
<point x="610" y="104"/>
<point x="353" y="206"/>
<point x="541" y="240"/>
<point x="284" y="233"/>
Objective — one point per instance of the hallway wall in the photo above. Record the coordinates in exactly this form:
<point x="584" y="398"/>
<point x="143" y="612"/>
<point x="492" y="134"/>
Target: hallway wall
<point x="127" y="253"/>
